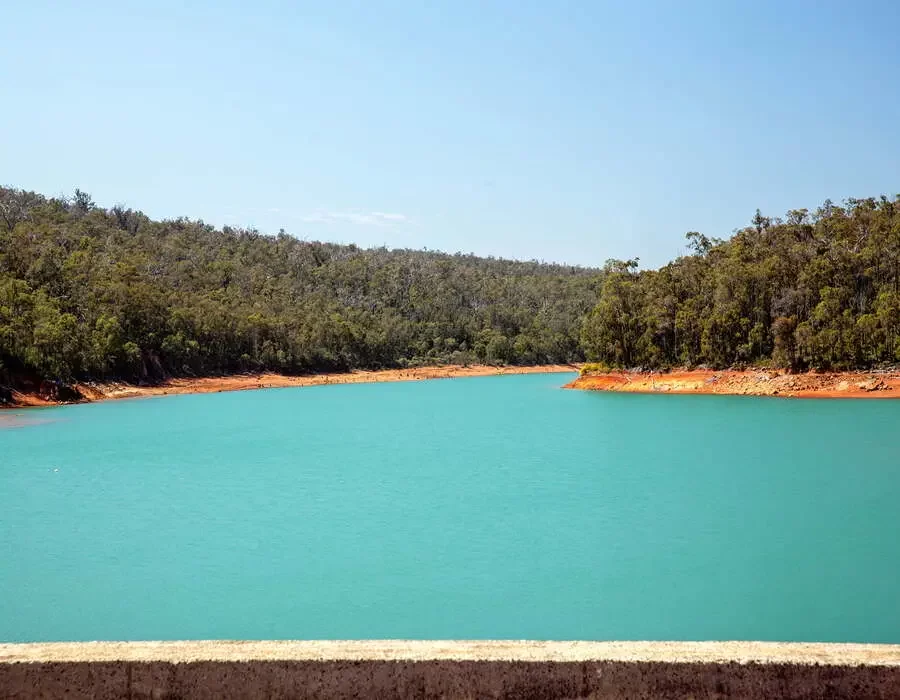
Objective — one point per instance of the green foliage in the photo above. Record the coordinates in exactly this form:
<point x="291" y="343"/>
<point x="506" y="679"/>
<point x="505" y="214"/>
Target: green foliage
<point x="91" y="293"/>
<point x="595" y="368"/>
<point x="813" y="291"/>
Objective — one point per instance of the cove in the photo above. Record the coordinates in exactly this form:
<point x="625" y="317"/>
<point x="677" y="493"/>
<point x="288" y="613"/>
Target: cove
<point x="490" y="507"/>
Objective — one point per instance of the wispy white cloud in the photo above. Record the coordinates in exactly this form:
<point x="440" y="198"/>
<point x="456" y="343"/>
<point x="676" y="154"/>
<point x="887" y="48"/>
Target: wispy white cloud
<point x="372" y="218"/>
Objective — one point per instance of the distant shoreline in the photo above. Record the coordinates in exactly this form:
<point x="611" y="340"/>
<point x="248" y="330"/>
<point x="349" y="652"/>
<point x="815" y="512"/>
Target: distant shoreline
<point x="722" y="382"/>
<point x="830" y="385"/>
<point x="107" y="391"/>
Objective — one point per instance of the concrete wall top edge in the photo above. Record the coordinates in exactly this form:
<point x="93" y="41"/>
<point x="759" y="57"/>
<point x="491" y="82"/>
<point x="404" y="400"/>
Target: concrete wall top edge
<point x="434" y="650"/>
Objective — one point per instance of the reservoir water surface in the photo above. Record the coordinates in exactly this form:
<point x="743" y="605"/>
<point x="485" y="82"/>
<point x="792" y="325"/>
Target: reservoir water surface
<point x="493" y="507"/>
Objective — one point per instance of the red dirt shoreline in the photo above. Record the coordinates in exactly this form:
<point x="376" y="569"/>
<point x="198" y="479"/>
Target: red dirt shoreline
<point x="832" y="385"/>
<point x="106" y="391"/>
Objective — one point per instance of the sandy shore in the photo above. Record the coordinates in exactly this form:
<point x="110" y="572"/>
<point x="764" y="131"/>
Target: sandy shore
<point x="104" y="391"/>
<point x="489" y="650"/>
<point x="750" y="382"/>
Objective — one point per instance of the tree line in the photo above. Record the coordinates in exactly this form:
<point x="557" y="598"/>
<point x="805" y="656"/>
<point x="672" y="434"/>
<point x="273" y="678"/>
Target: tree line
<point x="815" y="290"/>
<point x="94" y="293"/>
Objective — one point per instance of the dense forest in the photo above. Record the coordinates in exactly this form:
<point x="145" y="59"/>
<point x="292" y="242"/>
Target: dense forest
<point x="816" y="290"/>
<point x="87" y="292"/>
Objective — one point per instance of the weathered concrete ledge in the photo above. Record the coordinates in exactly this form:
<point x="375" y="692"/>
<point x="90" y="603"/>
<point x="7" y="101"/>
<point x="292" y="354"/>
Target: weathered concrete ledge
<point x="447" y="669"/>
<point x="475" y="650"/>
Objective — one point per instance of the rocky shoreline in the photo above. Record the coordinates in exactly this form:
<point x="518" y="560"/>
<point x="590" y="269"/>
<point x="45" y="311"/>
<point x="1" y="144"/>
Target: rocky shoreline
<point x="746" y="383"/>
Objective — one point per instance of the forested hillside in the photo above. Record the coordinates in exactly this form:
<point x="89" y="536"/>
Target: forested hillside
<point x="816" y="290"/>
<point x="92" y="293"/>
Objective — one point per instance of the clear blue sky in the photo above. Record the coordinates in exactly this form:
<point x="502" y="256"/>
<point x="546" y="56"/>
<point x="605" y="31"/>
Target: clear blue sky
<point x="561" y="131"/>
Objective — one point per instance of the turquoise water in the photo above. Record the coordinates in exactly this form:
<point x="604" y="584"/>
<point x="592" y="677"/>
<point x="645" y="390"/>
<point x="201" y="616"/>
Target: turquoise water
<point x="495" y="507"/>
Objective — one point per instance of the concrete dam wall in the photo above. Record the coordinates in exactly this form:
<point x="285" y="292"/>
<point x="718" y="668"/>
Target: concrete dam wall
<point x="394" y="669"/>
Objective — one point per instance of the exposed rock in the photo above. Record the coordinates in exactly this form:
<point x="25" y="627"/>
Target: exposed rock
<point x="749" y="382"/>
<point x="874" y="384"/>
